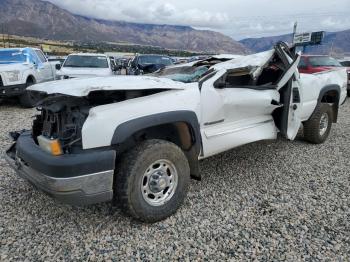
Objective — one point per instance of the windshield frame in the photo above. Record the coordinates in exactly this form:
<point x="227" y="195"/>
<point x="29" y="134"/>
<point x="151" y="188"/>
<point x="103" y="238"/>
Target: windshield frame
<point x="183" y="73"/>
<point x="141" y="60"/>
<point x="321" y="61"/>
<point x="19" y="52"/>
<point x="107" y="64"/>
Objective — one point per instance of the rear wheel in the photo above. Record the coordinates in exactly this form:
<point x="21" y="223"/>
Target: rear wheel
<point x="152" y="180"/>
<point x="28" y="99"/>
<point x="318" y="127"/>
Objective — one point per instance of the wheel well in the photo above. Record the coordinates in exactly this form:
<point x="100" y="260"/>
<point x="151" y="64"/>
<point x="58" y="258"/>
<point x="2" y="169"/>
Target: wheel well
<point x="332" y="97"/>
<point x="31" y="79"/>
<point x="179" y="133"/>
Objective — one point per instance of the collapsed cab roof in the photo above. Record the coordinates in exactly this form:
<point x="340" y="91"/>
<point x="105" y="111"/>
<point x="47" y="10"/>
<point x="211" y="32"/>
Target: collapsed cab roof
<point x="83" y="87"/>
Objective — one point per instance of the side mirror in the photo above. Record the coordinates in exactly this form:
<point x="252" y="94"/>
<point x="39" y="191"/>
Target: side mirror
<point x="58" y="66"/>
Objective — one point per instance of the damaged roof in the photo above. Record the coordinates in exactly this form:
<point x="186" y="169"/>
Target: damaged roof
<point x="82" y="87"/>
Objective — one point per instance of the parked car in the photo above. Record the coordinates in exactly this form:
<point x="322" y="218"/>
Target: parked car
<point x="310" y="64"/>
<point x="20" y="68"/>
<point x="137" y="140"/>
<point x="85" y="65"/>
<point x="346" y="63"/>
<point x="145" y="64"/>
<point x="57" y="59"/>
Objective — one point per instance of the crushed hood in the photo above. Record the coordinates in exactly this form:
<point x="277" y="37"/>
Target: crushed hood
<point x="82" y="87"/>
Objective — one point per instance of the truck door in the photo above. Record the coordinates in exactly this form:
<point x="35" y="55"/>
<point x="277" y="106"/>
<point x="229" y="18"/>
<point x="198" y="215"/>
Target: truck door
<point x="44" y="67"/>
<point x="288" y="118"/>
<point x="233" y="115"/>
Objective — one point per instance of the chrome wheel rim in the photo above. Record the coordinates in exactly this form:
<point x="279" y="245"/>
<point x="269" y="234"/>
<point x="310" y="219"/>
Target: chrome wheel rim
<point x="159" y="182"/>
<point x="324" y="124"/>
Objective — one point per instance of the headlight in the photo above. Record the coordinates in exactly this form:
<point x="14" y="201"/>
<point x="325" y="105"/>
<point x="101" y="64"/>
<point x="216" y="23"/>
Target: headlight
<point x="52" y="146"/>
<point x="12" y="76"/>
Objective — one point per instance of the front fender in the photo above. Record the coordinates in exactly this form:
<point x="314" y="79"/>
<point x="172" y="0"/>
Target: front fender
<point x="127" y="129"/>
<point x="335" y="106"/>
<point x="328" y="88"/>
<point x="103" y="122"/>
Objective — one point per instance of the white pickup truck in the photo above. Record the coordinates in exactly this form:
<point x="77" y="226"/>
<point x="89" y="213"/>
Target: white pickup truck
<point x="84" y="65"/>
<point x="20" y="68"/>
<point x="137" y="140"/>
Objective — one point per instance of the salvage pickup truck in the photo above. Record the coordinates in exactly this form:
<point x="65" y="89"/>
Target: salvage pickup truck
<point x="20" y="68"/>
<point x="137" y="140"/>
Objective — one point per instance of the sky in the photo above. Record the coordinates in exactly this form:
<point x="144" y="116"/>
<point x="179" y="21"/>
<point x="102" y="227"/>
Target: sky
<point x="236" y="18"/>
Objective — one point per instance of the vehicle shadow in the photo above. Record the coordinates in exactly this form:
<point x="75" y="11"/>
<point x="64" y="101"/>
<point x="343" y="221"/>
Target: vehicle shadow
<point x="9" y="102"/>
<point x="246" y="165"/>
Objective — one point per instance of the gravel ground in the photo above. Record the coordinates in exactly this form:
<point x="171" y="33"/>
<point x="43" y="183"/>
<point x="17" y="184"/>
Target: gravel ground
<point x="268" y="201"/>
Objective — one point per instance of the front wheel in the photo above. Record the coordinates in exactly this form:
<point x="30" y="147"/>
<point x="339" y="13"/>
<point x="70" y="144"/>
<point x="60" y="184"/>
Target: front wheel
<point x="152" y="180"/>
<point x="318" y="127"/>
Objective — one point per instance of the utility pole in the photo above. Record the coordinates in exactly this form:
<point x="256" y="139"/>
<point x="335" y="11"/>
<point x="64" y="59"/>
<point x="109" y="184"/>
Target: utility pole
<point x="294" y="33"/>
<point x="3" y="35"/>
<point x="295" y="29"/>
<point x="331" y="51"/>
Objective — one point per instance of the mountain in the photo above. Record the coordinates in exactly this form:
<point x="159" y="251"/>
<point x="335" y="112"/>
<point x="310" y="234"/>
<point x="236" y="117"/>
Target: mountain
<point x="43" y="19"/>
<point x="264" y="43"/>
<point x="334" y="42"/>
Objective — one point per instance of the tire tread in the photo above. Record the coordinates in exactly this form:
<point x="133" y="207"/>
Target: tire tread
<point x="311" y="126"/>
<point x="125" y="172"/>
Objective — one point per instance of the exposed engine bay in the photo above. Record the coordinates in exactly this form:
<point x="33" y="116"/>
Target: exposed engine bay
<point x="62" y="117"/>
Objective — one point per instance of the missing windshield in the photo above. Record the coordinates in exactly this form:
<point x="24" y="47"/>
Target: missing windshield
<point x="185" y="74"/>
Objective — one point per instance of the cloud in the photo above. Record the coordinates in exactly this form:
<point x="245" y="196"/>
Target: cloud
<point x="237" y="18"/>
<point x="334" y="23"/>
<point x="144" y="11"/>
<point x="165" y="10"/>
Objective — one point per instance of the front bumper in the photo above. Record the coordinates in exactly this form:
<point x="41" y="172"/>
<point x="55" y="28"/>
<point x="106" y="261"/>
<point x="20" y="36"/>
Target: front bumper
<point x="13" y="90"/>
<point x="76" y="179"/>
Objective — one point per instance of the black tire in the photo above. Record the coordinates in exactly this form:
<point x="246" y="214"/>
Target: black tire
<point x="348" y="92"/>
<point x="313" y="132"/>
<point x="28" y="99"/>
<point x="129" y="180"/>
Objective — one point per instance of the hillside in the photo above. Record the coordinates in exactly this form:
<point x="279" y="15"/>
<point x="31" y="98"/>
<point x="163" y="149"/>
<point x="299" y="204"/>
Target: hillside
<point x="334" y="42"/>
<point x="44" y="20"/>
